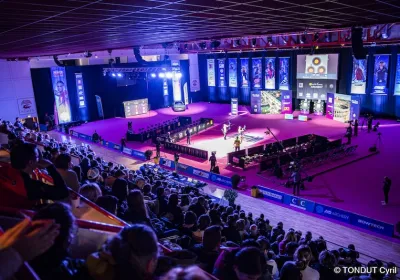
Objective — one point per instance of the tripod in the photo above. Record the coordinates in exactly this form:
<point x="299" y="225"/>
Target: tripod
<point x="378" y="141"/>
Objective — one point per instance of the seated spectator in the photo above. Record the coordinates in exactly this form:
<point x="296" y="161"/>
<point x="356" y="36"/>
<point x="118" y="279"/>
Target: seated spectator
<point x="93" y="174"/>
<point x="189" y="224"/>
<point x="132" y="254"/>
<point x="174" y="212"/>
<point x="302" y="258"/>
<point x="327" y="262"/>
<point x="230" y="232"/>
<point x="290" y="250"/>
<point x="272" y="266"/>
<point x="95" y="137"/>
<point x="108" y="203"/>
<point x="307" y="239"/>
<point x="120" y="191"/>
<point x="198" y="208"/>
<point x="63" y="164"/>
<point x="191" y="272"/>
<point x="275" y="245"/>
<point x="54" y="153"/>
<point x="137" y="210"/>
<point x="185" y="202"/>
<point x="249" y="264"/>
<point x="24" y="242"/>
<point x="26" y="158"/>
<point x="162" y="201"/>
<point x="252" y="233"/>
<point x="290" y="237"/>
<point x="208" y="251"/>
<point x="203" y="223"/>
<point x="91" y="191"/>
<point x="240" y="226"/>
<point x="147" y="192"/>
<point x="55" y="263"/>
<point x="276" y="231"/>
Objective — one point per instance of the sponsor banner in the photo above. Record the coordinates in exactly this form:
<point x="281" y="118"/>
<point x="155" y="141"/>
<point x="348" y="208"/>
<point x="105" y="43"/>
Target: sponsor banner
<point x="167" y="163"/>
<point x="211" y="72"/>
<point x="234" y="106"/>
<point x="330" y="106"/>
<point x="244" y="72"/>
<point x="373" y="225"/>
<point x="222" y="180"/>
<point x="305" y="106"/>
<point x="80" y="90"/>
<point x="319" y="108"/>
<point x="359" y="76"/>
<point x="315" y="89"/>
<point x="255" y="102"/>
<point x="270" y="72"/>
<point x="397" y="79"/>
<point x="62" y="103"/>
<point x="232" y="72"/>
<point x="286" y="100"/>
<point x="299" y="203"/>
<point x="355" y="108"/>
<point x="138" y="154"/>
<point x="127" y="151"/>
<point x="284" y="73"/>
<point x="201" y="173"/>
<point x="26" y="106"/>
<point x="74" y="133"/>
<point x="117" y="147"/>
<point x="381" y="71"/>
<point x="221" y="73"/>
<point x="256" y="73"/>
<point x="271" y="194"/>
<point x="194" y="72"/>
<point x="333" y="213"/>
<point x="99" y="107"/>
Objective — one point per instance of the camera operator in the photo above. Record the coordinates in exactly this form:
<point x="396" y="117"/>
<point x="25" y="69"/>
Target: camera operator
<point x="355" y="127"/>
<point x="369" y="122"/>
<point x="349" y="134"/>
<point x="212" y="160"/>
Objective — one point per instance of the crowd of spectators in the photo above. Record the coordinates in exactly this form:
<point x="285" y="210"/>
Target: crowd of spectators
<point x="224" y="241"/>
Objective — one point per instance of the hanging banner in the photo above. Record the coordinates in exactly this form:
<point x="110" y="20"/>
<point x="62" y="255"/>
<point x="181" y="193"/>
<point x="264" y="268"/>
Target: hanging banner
<point x="165" y="93"/>
<point x="286" y="100"/>
<point x="176" y="80"/>
<point x="359" y="76"/>
<point x="211" y="72"/>
<point x="232" y="72"/>
<point x="234" y="106"/>
<point x="62" y="103"/>
<point x="330" y="105"/>
<point x="194" y="72"/>
<point x="284" y="73"/>
<point x="256" y="73"/>
<point x="244" y="72"/>
<point x="80" y="90"/>
<point x="355" y="108"/>
<point x="397" y="79"/>
<point x="185" y="94"/>
<point x="381" y="71"/>
<point x="221" y="73"/>
<point x="270" y="72"/>
<point x="99" y="107"/>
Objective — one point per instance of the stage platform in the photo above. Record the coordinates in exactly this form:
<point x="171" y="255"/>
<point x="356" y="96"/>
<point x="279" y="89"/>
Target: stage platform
<point x="354" y="187"/>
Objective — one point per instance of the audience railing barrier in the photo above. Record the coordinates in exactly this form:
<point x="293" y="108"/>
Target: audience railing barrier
<point x="186" y="150"/>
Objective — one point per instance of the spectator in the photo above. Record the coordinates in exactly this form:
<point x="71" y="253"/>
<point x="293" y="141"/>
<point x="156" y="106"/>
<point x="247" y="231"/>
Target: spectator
<point x="108" y="203"/>
<point x="191" y="272"/>
<point x="120" y="191"/>
<point x="174" y="212"/>
<point x="208" y="251"/>
<point x="91" y="191"/>
<point x="26" y="158"/>
<point x="203" y="222"/>
<point x="189" y="224"/>
<point x="302" y="258"/>
<point x="327" y="262"/>
<point x="132" y="254"/>
<point x="253" y="232"/>
<point x="290" y="250"/>
<point x="198" y="208"/>
<point x="276" y="231"/>
<point x="63" y="164"/>
<point x="240" y="226"/>
<point x="391" y="275"/>
<point x="137" y="210"/>
<point x="147" y="192"/>
<point x="95" y="137"/>
<point x="55" y="263"/>
<point x="185" y="202"/>
<point x="249" y="264"/>
<point x="307" y="239"/>
<point x="290" y="237"/>
<point x="24" y="242"/>
<point x="230" y="232"/>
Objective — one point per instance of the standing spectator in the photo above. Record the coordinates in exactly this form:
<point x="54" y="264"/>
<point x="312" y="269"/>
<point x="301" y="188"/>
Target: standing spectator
<point x="386" y="189"/>
<point x="63" y="164"/>
<point x="26" y="158"/>
<point x="187" y="136"/>
<point x="212" y="160"/>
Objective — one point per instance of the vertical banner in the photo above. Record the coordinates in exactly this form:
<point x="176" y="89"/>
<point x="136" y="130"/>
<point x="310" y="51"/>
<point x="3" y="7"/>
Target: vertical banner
<point x="99" y="107"/>
<point x="194" y="72"/>
<point x="234" y="106"/>
<point x="354" y="108"/>
<point x="305" y="106"/>
<point x="256" y="73"/>
<point x="165" y="93"/>
<point x="397" y="79"/>
<point x="270" y="72"/>
<point x="221" y="73"/>
<point x="284" y="73"/>
<point x="330" y="105"/>
<point x="359" y="76"/>
<point x="244" y="72"/>
<point x="80" y="90"/>
<point x="232" y="72"/>
<point x="63" y="108"/>
<point x="186" y="94"/>
<point x="176" y="80"/>
<point x="381" y="71"/>
<point x="286" y="99"/>
<point x="255" y="102"/>
<point x="211" y="72"/>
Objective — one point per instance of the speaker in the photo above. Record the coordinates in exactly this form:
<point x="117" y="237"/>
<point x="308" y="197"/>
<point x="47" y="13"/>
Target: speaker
<point x="357" y="43"/>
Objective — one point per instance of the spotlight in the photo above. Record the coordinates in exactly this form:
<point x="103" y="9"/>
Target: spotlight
<point x="96" y="56"/>
<point x="203" y="45"/>
<point x="269" y="40"/>
<point x="113" y="74"/>
<point x="215" y="44"/>
<point x="253" y="42"/>
<point x="168" y="75"/>
<point x="153" y="75"/>
<point x="326" y="39"/>
<point x="178" y="75"/>
<point x="316" y="37"/>
<point x="119" y="75"/>
<point x="185" y="46"/>
<point x="236" y="43"/>
<point x="161" y="75"/>
<point x="284" y="40"/>
<point x="87" y="54"/>
<point x="303" y="39"/>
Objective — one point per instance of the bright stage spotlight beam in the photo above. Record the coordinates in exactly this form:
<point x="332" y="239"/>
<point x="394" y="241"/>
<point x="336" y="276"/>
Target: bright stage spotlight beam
<point x="168" y="75"/>
<point x="161" y="75"/>
<point x="119" y="75"/>
<point x="178" y="75"/>
<point x="113" y="74"/>
<point x="153" y="75"/>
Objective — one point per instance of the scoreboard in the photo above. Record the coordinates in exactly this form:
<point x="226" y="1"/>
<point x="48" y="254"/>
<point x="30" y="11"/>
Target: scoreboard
<point x="136" y="107"/>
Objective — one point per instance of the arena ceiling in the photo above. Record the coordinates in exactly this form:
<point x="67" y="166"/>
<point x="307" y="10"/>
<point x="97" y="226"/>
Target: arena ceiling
<point x="45" y="27"/>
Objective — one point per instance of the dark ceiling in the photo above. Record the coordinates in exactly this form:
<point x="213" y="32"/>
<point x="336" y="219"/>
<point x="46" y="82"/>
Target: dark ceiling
<point x="47" y="27"/>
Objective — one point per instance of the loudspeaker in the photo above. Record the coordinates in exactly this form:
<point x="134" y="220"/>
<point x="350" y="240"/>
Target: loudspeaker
<point x="56" y="61"/>
<point x="139" y="58"/>
<point x="357" y="43"/>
